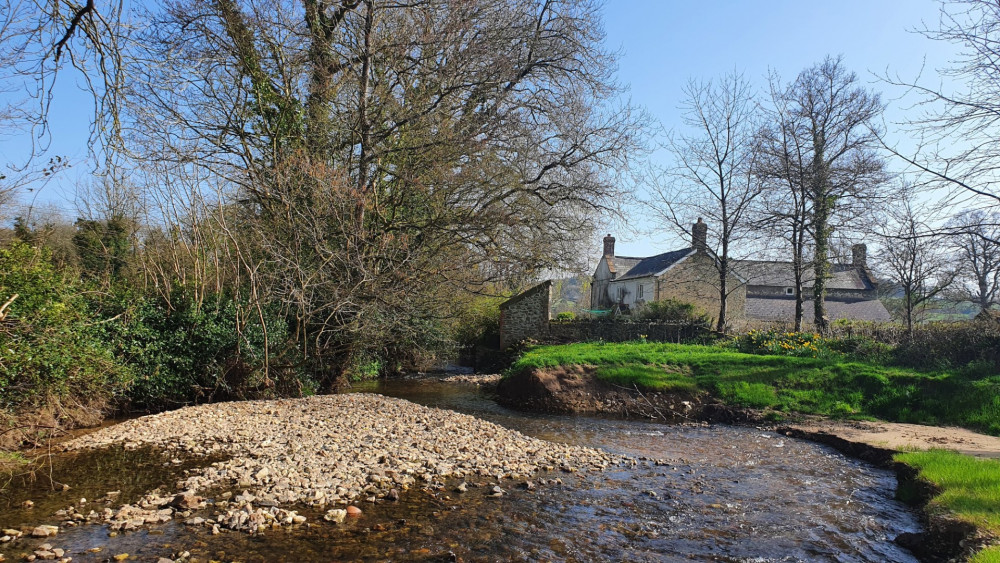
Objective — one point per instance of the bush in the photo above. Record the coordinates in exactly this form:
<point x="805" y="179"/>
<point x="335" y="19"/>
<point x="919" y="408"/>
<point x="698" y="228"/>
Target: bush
<point x="951" y="345"/>
<point x="566" y="316"/>
<point x="671" y="310"/>
<point x="204" y="352"/>
<point x="774" y="342"/>
<point x="50" y="347"/>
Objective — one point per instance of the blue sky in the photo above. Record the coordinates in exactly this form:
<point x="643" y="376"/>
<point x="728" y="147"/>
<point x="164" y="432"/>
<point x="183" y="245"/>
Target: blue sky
<point x="664" y="43"/>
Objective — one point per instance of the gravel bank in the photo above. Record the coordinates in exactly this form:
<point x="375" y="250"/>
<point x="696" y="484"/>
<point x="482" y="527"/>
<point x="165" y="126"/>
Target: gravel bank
<point x="334" y="449"/>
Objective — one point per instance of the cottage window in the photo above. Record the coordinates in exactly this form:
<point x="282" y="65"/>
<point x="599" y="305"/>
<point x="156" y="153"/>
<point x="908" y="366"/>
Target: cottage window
<point x="789" y="291"/>
<point x="639" y="293"/>
<point x="621" y="293"/>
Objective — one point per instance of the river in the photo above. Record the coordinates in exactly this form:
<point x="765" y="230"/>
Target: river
<point x="715" y="493"/>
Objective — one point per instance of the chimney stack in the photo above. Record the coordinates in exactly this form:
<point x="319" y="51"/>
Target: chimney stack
<point x="859" y="256"/>
<point x="609" y="245"/>
<point x="699" y="236"/>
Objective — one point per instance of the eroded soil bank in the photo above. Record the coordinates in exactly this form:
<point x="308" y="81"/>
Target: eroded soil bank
<point x="574" y="389"/>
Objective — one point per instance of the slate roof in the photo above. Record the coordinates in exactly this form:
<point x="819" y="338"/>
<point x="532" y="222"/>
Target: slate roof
<point x="780" y="274"/>
<point x="783" y="309"/>
<point x="653" y="265"/>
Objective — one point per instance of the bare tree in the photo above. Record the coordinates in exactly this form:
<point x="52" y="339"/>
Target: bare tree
<point x="713" y="173"/>
<point x="956" y="130"/>
<point x="974" y="240"/>
<point x="784" y="210"/>
<point x="914" y="259"/>
<point x="825" y="145"/>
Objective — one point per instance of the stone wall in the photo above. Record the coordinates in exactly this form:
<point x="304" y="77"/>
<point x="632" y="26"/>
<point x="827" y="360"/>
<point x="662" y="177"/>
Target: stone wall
<point x="695" y="281"/>
<point x="526" y="315"/>
<point x="618" y="330"/>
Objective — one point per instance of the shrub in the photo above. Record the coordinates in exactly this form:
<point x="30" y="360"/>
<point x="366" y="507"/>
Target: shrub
<point x="200" y="352"/>
<point x="774" y="342"/>
<point x="671" y="310"/>
<point x="566" y="316"/>
<point x="50" y="347"/>
<point x="946" y="345"/>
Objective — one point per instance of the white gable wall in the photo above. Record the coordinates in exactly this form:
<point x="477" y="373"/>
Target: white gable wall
<point x="631" y="289"/>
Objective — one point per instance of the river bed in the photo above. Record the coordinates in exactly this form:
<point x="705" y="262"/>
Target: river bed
<point x="718" y="493"/>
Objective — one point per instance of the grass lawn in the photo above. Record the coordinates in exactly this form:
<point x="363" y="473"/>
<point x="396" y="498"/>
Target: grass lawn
<point x="970" y="489"/>
<point x="785" y="384"/>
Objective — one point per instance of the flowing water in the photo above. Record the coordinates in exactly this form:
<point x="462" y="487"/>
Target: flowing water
<point x="719" y="493"/>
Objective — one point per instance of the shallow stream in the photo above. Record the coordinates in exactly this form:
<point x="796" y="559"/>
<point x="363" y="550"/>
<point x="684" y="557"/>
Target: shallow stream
<point x="719" y="493"/>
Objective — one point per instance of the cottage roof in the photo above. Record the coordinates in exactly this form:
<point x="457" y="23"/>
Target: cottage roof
<point x="621" y="263"/>
<point x="781" y="274"/>
<point x="643" y="267"/>
<point x="783" y="309"/>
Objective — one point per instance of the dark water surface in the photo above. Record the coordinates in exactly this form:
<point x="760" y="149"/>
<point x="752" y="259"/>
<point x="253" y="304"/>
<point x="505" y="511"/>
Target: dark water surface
<point x="724" y="494"/>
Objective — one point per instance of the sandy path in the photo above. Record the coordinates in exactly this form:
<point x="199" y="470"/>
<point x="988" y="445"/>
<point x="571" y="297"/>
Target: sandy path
<point x="899" y="436"/>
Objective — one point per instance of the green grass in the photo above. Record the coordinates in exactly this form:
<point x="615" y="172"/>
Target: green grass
<point x="829" y="386"/>
<point x="970" y="489"/>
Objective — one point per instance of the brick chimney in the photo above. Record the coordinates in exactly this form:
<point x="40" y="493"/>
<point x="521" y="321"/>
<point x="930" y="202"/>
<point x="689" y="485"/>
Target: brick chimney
<point x="699" y="236"/>
<point x="609" y="245"/>
<point x="859" y="256"/>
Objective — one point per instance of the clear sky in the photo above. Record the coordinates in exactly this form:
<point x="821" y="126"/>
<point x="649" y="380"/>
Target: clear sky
<point x="663" y="43"/>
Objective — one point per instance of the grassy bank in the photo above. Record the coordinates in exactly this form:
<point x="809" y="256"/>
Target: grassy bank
<point x="832" y="386"/>
<point x="969" y="490"/>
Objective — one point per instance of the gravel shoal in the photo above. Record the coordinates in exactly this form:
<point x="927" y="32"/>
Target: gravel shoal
<point x="337" y="448"/>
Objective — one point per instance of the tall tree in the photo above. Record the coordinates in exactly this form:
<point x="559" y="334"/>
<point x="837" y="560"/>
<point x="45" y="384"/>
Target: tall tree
<point x="383" y="154"/>
<point x="831" y="122"/>
<point x="713" y="173"/>
<point x="975" y="238"/>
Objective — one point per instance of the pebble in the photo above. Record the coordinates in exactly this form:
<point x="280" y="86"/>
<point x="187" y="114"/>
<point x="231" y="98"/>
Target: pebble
<point x="44" y="531"/>
<point x="336" y="515"/>
<point x="353" y="511"/>
<point x="321" y="451"/>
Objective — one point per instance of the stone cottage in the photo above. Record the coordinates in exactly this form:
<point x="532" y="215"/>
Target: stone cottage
<point x="760" y="290"/>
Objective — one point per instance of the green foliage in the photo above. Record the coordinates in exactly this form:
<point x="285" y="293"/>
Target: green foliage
<point x="566" y="316"/>
<point x="671" y="310"/>
<point x="833" y="385"/>
<point x="102" y="247"/>
<point x="478" y="323"/>
<point x="970" y="487"/>
<point x="50" y="346"/>
<point x="198" y="352"/>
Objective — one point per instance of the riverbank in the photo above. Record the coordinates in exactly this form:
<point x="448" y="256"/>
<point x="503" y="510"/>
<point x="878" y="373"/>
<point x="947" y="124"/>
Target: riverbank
<point x="954" y="528"/>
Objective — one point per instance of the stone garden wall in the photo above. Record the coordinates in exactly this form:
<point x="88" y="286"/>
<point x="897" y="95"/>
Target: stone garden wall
<point x="526" y="315"/>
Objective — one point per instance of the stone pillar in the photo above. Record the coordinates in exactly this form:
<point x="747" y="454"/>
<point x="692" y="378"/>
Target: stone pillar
<point x="699" y="236"/>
